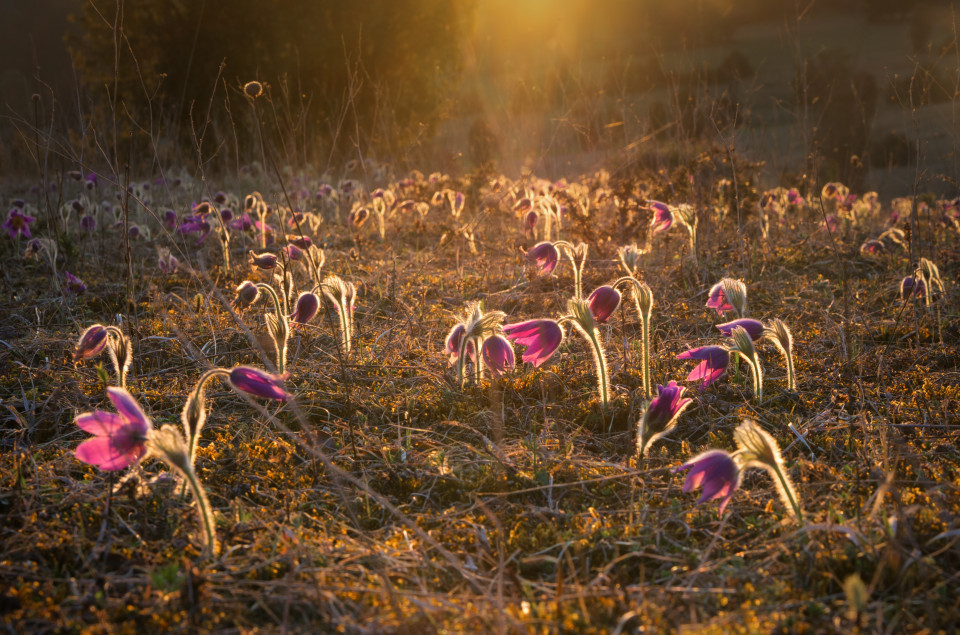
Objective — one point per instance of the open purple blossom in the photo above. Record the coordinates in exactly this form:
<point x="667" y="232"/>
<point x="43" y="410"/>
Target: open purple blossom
<point x="661" y="415"/>
<point x="74" y="284"/>
<point x="18" y="224"/>
<point x="754" y="328"/>
<point x="119" y="439"/>
<point x="259" y="383"/>
<point x="541" y="337"/>
<point x="662" y="217"/>
<point x="498" y="355"/>
<point x="452" y="342"/>
<point x="713" y="364"/>
<point x="728" y="295"/>
<point x="545" y="256"/>
<point x="603" y="302"/>
<point x="718" y="300"/>
<point x="243" y="222"/>
<point x="717" y="472"/>
<point x="195" y="225"/>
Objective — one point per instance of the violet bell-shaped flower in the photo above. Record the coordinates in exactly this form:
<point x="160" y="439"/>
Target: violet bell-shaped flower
<point x="715" y="360"/>
<point x="498" y="355"/>
<point x="545" y="256"/>
<point x="662" y="217"/>
<point x="661" y="415"/>
<point x="265" y="261"/>
<point x="754" y="328"/>
<point x="603" y="302"/>
<point x="305" y="309"/>
<point x="541" y="337"/>
<point x="119" y="439"/>
<point x="717" y="472"/>
<point x="259" y="383"/>
<point x="92" y="342"/>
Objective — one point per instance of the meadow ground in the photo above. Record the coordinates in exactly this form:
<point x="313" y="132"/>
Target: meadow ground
<point x="385" y="497"/>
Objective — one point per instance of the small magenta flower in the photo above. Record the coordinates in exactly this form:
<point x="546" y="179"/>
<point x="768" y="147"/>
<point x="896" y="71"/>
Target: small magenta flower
<point x="718" y="300"/>
<point x="498" y="355"/>
<point x="831" y="224"/>
<point x="259" y="383"/>
<point x="170" y="219"/>
<point x="74" y="284"/>
<point x="541" y="337"/>
<point x="88" y="223"/>
<point x="662" y="217"/>
<point x="717" y="472"/>
<point x="603" y="302"/>
<point x="305" y="308"/>
<point x="754" y="328"/>
<point x="244" y="222"/>
<point x="265" y="261"/>
<point x="872" y="248"/>
<point x="195" y="225"/>
<point x="530" y="222"/>
<point x="247" y="293"/>
<point x="545" y="256"/>
<point x="119" y="439"/>
<point x="661" y="415"/>
<point x="715" y="360"/>
<point x="92" y="342"/>
<point x="18" y="224"/>
<point x="728" y="295"/>
<point x="167" y="262"/>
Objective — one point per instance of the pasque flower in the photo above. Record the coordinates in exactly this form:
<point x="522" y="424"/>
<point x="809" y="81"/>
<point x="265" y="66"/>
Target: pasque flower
<point x="661" y="415"/>
<point x="603" y="302"/>
<point x="246" y="294"/>
<point x="754" y="328"/>
<point x="18" y="224"/>
<point x="119" y="439"/>
<point x="717" y="472"/>
<point x="715" y="360"/>
<point x="74" y="284"/>
<point x="92" y="342"/>
<point x="258" y="383"/>
<point x="305" y="308"/>
<point x="662" y="217"/>
<point x="545" y="256"/>
<point x="498" y="355"/>
<point x="728" y="295"/>
<point x="541" y="337"/>
<point x="264" y="261"/>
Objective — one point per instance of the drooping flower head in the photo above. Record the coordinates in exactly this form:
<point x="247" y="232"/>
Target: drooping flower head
<point x="603" y="302"/>
<point x="754" y="328"/>
<point x="305" y="309"/>
<point x="728" y="295"/>
<point x="662" y="217"/>
<point x="541" y="337"/>
<point x="259" y="383"/>
<point x="119" y="439"/>
<point x="913" y="287"/>
<point x="265" y="261"/>
<point x="717" y="472"/>
<point x="498" y="355"/>
<point x="452" y="342"/>
<point x="545" y="256"/>
<point x="661" y="415"/>
<point x="92" y="342"/>
<point x="247" y="293"/>
<point x="73" y="283"/>
<point x="715" y="360"/>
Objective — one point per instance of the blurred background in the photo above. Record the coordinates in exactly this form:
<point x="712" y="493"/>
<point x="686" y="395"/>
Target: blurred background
<point x="861" y="91"/>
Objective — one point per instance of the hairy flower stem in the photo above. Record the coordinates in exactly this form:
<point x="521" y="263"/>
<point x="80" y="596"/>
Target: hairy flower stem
<point x="600" y="361"/>
<point x="788" y="490"/>
<point x="645" y="328"/>
<point x="282" y="335"/>
<point x="203" y="508"/>
<point x="791" y="376"/>
<point x="569" y="250"/>
<point x="120" y="354"/>
<point x="196" y="396"/>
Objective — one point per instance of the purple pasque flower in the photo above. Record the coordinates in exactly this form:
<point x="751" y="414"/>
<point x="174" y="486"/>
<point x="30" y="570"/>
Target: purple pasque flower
<point x="18" y="203"/>
<point x="603" y="302"/>
<point x="301" y="242"/>
<point x="872" y="247"/>
<point x="915" y="287"/>
<point x="754" y="328"/>
<point x="715" y="360"/>
<point x="170" y="219"/>
<point x="541" y="337"/>
<point x="220" y="198"/>
<point x="305" y="308"/>
<point x="662" y="217"/>
<point x="265" y="261"/>
<point x="831" y="224"/>
<point x="293" y="252"/>
<point x="451" y="344"/>
<point x="358" y="216"/>
<point x="666" y="406"/>
<point x="247" y="293"/>
<point x="258" y="383"/>
<point x="167" y="262"/>
<point x="91" y="343"/>
<point x="195" y="225"/>
<point x="530" y="221"/>
<point x="119" y="439"/>
<point x="523" y="205"/>
<point x="545" y="256"/>
<point x="498" y="355"/>
<point x="18" y="224"/>
<point x="88" y="223"/>
<point x="718" y="299"/>
<point x="243" y="222"/>
<point x="717" y="472"/>
<point x="74" y="284"/>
